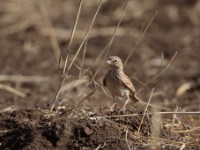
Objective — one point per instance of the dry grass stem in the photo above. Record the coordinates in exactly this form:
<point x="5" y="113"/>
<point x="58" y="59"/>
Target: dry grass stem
<point x="105" y="51"/>
<point x="20" y="78"/>
<point x="71" y="38"/>
<point x="126" y="138"/>
<point x="142" y="83"/>
<point x="17" y="27"/>
<point x="83" y="58"/>
<point x="174" y="118"/>
<point x="195" y="129"/>
<point x="183" y="146"/>
<point x="64" y="69"/>
<point x="98" y="147"/>
<point x="145" y="111"/>
<point x="9" y="109"/>
<point x="167" y="67"/>
<point x="58" y="92"/>
<point x="107" y="47"/>
<point x="77" y="52"/>
<point x="53" y="38"/>
<point x="73" y="84"/>
<point x="155" y="130"/>
<point x="157" y="113"/>
<point x="172" y="143"/>
<point x="12" y="90"/>
<point x="86" y="97"/>
<point x="84" y="39"/>
<point x="64" y="34"/>
<point x="139" y="39"/>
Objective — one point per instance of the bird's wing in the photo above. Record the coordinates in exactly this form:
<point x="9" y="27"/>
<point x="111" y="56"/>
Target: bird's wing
<point x="128" y="83"/>
<point x="104" y="81"/>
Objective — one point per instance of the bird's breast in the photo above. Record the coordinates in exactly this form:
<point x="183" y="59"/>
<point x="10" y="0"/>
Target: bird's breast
<point x="116" y="88"/>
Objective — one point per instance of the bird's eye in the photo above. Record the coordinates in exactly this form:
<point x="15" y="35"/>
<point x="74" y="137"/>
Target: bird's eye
<point x="115" y="60"/>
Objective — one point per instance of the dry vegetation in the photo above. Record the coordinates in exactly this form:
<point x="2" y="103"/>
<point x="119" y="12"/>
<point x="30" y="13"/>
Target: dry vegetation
<point x="52" y="63"/>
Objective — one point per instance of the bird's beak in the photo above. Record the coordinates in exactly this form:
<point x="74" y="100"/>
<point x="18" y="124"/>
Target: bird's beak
<point x="108" y="62"/>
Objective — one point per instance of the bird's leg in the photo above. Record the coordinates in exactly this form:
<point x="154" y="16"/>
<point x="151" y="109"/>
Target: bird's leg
<point x="112" y="108"/>
<point x="124" y="106"/>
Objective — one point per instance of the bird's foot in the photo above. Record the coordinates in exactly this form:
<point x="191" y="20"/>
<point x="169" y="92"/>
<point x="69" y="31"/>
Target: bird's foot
<point x="122" y="110"/>
<point x="112" y="108"/>
<point x="124" y="106"/>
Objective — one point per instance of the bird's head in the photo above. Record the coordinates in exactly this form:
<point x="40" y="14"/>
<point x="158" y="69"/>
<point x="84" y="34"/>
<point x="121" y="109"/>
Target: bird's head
<point x="115" y="62"/>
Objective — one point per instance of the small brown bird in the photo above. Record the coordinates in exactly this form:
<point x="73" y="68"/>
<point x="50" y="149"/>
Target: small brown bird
<point x="118" y="83"/>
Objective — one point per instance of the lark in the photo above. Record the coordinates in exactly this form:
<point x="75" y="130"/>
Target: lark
<point x="118" y="83"/>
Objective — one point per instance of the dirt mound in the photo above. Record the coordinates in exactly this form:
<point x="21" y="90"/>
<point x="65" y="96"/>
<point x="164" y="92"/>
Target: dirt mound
<point x="32" y="129"/>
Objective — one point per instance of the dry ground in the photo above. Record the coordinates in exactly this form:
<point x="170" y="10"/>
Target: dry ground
<point x="32" y="34"/>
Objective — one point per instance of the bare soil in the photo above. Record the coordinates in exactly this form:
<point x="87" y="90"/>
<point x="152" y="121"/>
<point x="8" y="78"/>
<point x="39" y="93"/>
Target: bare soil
<point x="167" y="59"/>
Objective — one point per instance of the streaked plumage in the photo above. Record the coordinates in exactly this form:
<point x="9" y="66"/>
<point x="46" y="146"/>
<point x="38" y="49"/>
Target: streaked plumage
<point x="118" y="83"/>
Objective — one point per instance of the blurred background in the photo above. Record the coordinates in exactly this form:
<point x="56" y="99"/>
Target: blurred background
<point x="33" y="33"/>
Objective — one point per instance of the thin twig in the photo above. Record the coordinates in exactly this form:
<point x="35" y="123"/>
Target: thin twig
<point x="159" y="113"/>
<point x="145" y="111"/>
<point x="161" y="71"/>
<point x="187" y="131"/>
<point x="53" y="38"/>
<point x="71" y="38"/>
<point x="12" y="90"/>
<point x="78" y="50"/>
<point x="21" y="78"/>
<point x="84" y="39"/>
<point x="174" y="117"/>
<point x="142" y="83"/>
<point x="73" y="84"/>
<point x="155" y="129"/>
<point x="64" y="34"/>
<point x="65" y="75"/>
<point x="17" y="27"/>
<point x="167" y="67"/>
<point x="164" y="140"/>
<point x="140" y="38"/>
<point x="83" y="58"/>
<point x="58" y="92"/>
<point x="182" y="146"/>
<point x="126" y="137"/>
<point x="108" y="46"/>
<point x="86" y="97"/>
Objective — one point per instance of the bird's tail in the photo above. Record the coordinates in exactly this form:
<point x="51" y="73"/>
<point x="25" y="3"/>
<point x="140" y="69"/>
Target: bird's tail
<point x="135" y="99"/>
